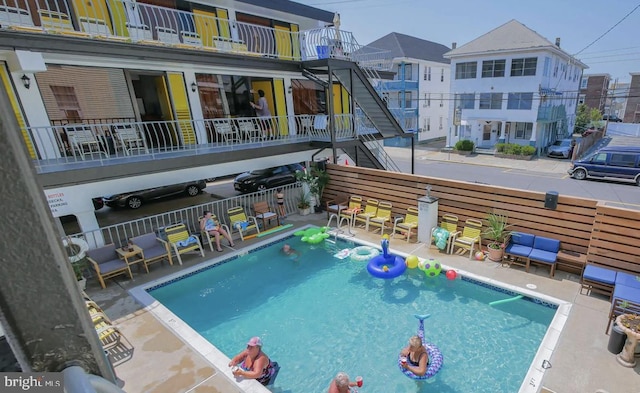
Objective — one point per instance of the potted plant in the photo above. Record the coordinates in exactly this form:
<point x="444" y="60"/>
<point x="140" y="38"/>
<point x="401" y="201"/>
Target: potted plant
<point x="313" y="182"/>
<point x="78" y="261"/>
<point x="498" y="234"/>
<point x="304" y="203"/>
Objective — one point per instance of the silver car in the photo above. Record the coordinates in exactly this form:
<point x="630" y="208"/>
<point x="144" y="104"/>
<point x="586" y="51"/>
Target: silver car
<point x="562" y="148"/>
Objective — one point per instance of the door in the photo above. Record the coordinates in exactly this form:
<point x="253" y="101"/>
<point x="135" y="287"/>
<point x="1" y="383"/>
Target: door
<point x="181" y="109"/>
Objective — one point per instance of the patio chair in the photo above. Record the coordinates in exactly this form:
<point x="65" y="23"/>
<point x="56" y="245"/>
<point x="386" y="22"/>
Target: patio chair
<point x="130" y="139"/>
<point x="370" y="210"/>
<point x="241" y="222"/>
<point x="108" y="334"/>
<point x="469" y="237"/>
<point x="207" y="237"/>
<point x="406" y="225"/>
<point x="153" y="248"/>
<point x="182" y="241"/>
<point x="83" y="141"/>
<point x="382" y="217"/>
<point x="335" y="206"/>
<point x="449" y="223"/>
<point x="107" y="263"/>
<point x="354" y="207"/>
<point x="263" y="212"/>
<point x="225" y="131"/>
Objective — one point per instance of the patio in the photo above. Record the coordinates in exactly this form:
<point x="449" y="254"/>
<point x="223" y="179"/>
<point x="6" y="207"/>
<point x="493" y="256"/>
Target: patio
<point x="174" y="366"/>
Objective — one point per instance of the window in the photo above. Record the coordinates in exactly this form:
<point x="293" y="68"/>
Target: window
<point x="428" y="99"/>
<point x="408" y="72"/>
<point x="428" y="127"/>
<point x="440" y="123"/>
<point x="441" y="100"/>
<point x="627" y="160"/>
<point x="493" y="68"/>
<point x="547" y="66"/>
<point x="581" y="98"/>
<point x="466" y="101"/>
<point x="425" y="102"/>
<point x="524" y="67"/>
<point x="67" y="101"/>
<point x="555" y="68"/>
<point x="428" y="73"/>
<point x="490" y="100"/>
<point x="520" y="101"/>
<point x="466" y="70"/>
<point x="583" y="83"/>
<point x="442" y="75"/>
<point x="408" y="97"/>
<point x="600" y="158"/>
<point x="523" y="130"/>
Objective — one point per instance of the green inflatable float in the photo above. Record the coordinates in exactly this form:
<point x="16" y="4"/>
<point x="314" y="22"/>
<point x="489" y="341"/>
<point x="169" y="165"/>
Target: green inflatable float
<point x="313" y="235"/>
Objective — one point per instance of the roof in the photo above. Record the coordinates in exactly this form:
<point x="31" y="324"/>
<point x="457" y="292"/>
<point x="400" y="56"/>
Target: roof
<point x="402" y="45"/>
<point x="291" y="7"/>
<point x="511" y="36"/>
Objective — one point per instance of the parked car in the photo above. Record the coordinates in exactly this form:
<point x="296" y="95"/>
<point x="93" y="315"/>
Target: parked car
<point x="135" y="199"/>
<point x="562" y="148"/>
<point x="263" y="179"/>
<point x="613" y="118"/>
<point x="611" y="162"/>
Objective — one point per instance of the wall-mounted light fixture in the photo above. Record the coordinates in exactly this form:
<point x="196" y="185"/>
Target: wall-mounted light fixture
<point x="194" y="86"/>
<point x="26" y="81"/>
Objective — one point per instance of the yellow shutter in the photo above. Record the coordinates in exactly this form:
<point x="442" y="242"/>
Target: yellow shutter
<point x="15" y="105"/>
<point x="181" y="108"/>
<point x="119" y="17"/>
<point x="206" y="26"/>
<point x="283" y="42"/>
<point x="281" y="107"/>
<point x="95" y="10"/>
<point x="223" y="22"/>
<point x="295" y="41"/>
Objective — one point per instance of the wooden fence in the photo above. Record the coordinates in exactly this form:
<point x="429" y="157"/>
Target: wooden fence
<point x="582" y="225"/>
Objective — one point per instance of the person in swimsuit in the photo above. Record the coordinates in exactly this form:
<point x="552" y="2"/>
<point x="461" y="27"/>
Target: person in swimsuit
<point x="280" y="200"/>
<point x="207" y="223"/>
<point x="341" y="384"/>
<point x="253" y="363"/>
<point x="417" y="356"/>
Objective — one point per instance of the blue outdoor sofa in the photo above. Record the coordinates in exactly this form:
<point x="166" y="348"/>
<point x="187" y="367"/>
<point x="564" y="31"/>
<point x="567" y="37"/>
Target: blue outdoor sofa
<point x="525" y="248"/>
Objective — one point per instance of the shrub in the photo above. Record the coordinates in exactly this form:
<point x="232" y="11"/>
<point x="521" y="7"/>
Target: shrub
<point x="500" y="147"/>
<point x="528" y="150"/>
<point x="514" y="149"/>
<point x="464" y="145"/>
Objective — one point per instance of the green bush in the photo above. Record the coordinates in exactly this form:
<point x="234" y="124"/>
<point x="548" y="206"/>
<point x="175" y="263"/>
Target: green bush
<point x="514" y="149"/>
<point x="500" y="147"/>
<point x="464" y="145"/>
<point x="528" y="150"/>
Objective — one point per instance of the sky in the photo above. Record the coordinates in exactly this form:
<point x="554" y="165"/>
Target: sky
<point x="578" y="23"/>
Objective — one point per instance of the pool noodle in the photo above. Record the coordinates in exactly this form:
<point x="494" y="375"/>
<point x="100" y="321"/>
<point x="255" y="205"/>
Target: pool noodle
<point x="272" y="230"/>
<point x="506" y="300"/>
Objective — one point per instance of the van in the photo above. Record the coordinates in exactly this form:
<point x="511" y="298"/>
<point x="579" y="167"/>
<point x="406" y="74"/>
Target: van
<point x="611" y="162"/>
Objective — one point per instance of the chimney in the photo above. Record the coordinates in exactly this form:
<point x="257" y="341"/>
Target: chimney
<point x="453" y="45"/>
<point x="558" y="42"/>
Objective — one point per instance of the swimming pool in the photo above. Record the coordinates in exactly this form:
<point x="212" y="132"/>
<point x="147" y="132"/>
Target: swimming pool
<point x="321" y="315"/>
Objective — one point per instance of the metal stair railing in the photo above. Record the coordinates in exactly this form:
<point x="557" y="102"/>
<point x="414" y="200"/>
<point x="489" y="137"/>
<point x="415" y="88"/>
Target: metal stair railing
<point x="382" y="156"/>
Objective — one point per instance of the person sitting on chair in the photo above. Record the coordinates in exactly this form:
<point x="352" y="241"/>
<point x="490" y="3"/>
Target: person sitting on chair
<point x="208" y="224"/>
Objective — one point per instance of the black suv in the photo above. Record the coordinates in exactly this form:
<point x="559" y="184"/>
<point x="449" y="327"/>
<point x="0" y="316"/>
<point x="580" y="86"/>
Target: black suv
<point x="135" y="199"/>
<point x="612" y="118"/>
<point x="262" y="179"/>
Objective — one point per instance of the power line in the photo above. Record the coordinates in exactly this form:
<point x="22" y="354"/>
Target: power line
<point x="611" y="28"/>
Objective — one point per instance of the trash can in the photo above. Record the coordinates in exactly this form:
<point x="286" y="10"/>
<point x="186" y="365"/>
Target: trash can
<point x="616" y="340"/>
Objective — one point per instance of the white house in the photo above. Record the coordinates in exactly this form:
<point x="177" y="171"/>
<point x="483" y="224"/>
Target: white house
<point x="513" y="85"/>
<point x="419" y="93"/>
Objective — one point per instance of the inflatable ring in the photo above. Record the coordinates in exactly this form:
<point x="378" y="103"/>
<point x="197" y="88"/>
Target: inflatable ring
<point x="390" y="266"/>
<point x="80" y="243"/>
<point x="363" y="253"/>
<point x="435" y="363"/>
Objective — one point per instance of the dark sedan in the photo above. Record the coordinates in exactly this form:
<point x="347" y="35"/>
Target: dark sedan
<point x="135" y="199"/>
<point x="262" y="179"/>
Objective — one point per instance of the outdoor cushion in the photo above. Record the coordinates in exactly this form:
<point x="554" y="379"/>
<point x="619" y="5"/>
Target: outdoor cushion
<point x="628" y="280"/>
<point x="110" y="266"/>
<point x="146" y="241"/>
<point x="103" y="254"/>
<point x="524" y="239"/>
<point x="599" y="274"/>
<point x="543" y="256"/>
<point x="518" y="249"/>
<point x="546" y="244"/>
<point x="626" y="293"/>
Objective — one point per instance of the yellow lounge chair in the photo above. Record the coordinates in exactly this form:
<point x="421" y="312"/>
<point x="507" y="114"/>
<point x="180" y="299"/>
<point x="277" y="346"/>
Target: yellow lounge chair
<point x="408" y="224"/>
<point x="354" y="207"/>
<point x="370" y="210"/>
<point x="182" y="241"/>
<point x="449" y="222"/>
<point x="241" y="222"/>
<point x="209" y="238"/>
<point x="469" y="237"/>
<point x="382" y="217"/>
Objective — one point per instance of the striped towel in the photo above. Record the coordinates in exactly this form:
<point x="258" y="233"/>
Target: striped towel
<point x="190" y="240"/>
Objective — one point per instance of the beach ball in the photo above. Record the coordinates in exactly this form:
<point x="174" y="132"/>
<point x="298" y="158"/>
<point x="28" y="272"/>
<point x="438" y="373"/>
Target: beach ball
<point x="479" y="256"/>
<point x="451" y="274"/>
<point x="432" y="268"/>
<point x="412" y="261"/>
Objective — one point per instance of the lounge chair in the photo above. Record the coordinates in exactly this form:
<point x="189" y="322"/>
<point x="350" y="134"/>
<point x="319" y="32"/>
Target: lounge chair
<point x="153" y="248"/>
<point x="449" y="223"/>
<point x="108" y="334"/>
<point x="107" y="263"/>
<point x="335" y="206"/>
<point x="470" y="236"/>
<point x="406" y="225"/>
<point x="370" y="210"/>
<point x="263" y="212"/>
<point x="241" y="222"/>
<point x="209" y="238"/>
<point x="182" y="241"/>
<point x="354" y="207"/>
<point x="382" y="217"/>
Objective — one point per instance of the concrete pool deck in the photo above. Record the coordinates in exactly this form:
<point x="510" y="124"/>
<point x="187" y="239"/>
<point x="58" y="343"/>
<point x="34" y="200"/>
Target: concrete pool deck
<point x="580" y="361"/>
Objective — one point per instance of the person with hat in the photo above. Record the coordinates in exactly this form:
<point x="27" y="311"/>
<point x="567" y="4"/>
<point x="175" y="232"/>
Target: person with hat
<point x="252" y="363"/>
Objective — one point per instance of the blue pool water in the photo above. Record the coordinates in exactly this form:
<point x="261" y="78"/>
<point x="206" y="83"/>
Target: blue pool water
<point x="321" y="315"/>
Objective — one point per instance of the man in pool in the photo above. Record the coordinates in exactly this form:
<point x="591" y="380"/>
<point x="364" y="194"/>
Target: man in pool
<point x="288" y="251"/>
<point x="341" y="384"/>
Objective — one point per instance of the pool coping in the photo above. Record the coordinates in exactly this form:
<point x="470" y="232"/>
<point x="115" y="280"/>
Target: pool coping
<point x="530" y="384"/>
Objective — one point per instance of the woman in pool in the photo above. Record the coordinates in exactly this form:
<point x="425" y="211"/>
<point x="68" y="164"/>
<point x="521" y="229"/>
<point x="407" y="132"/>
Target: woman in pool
<point x="253" y="363"/>
<point x="417" y="356"/>
<point x="207" y="223"/>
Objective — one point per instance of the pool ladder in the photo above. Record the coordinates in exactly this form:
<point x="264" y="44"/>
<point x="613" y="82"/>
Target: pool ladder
<point x="338" y="229"/>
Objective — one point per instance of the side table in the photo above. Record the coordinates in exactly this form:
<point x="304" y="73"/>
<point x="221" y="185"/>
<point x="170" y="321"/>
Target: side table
<point x="132" y="255"/>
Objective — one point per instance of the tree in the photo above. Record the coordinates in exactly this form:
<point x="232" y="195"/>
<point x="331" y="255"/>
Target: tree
<point x="585" y="117"/>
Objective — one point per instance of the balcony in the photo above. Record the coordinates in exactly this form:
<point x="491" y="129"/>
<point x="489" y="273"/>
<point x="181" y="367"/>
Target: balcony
<point x="397" y="85"/>
<point x="85" y="145"/>
<point x="551" y="113"/>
